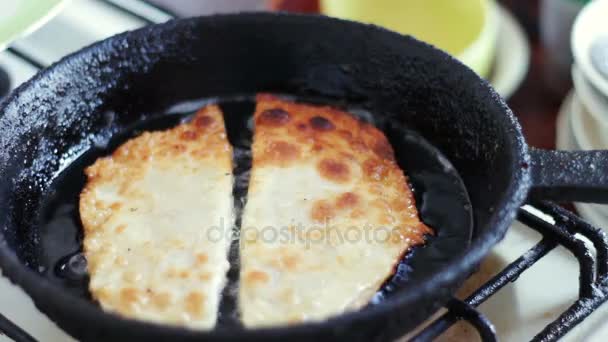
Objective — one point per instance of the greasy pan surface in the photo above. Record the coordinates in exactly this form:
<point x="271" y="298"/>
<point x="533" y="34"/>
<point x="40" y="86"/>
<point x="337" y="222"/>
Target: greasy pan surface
<point x="398" y="79"/>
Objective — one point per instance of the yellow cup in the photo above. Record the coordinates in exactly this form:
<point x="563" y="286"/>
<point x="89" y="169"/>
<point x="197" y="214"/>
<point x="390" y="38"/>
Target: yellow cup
<point x="466" y="29"/>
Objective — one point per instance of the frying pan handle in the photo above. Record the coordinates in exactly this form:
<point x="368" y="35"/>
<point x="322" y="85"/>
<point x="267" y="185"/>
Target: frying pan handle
<point x="570" y="176"/>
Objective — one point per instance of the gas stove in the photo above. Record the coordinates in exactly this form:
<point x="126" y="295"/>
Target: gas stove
<point x="547" y="279"/>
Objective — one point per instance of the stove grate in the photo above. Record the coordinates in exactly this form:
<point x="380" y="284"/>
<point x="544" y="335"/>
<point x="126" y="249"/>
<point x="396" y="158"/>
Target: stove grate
<point x="593" y="280"/>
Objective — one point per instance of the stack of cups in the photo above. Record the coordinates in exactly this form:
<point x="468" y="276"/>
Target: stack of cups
<point x="583" y="120"/>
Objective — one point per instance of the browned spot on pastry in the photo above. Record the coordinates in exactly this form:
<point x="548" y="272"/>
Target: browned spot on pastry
<point x="274" y="117"/>
<point x="120" y="228"/>
<point x="204" y="276"/>
<point x="257" y="276"/>
<point x="347" y="200"/>
<point x="194" y="304"/>
<point x="161" y="300"/>
<point x="321" y="211"/>
<point x="385" y="219"/>
<point x="99" y="205"/>
<point x="375" y="169"/>
<point x="104" y="294"/>
<point x="396" y="237"/>
<point x="358" y="146"/>
<point x="288" y="260"/>
<point x="347" y="135"/>
<point x="201" y="258"/>
<point x="357" y="213"/>
<point x="334" y="170"/>
<point x="202" y="121"/>
<point x="282" y="152"/>
<point x="179" y="148"/>
<point x="383" y="149"/>
<point x="404" y="204"/>
<point x="189" y="135"/>
<point x="129" y="295"/>
<point x="320" y="123"/>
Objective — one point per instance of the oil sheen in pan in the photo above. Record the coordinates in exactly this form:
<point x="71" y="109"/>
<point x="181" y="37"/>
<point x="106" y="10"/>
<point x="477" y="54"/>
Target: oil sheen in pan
<point x="440" y="196"/>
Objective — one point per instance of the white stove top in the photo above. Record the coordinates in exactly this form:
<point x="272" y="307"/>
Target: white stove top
<point x="519" y="310"/>
<point x="80" y="23"/>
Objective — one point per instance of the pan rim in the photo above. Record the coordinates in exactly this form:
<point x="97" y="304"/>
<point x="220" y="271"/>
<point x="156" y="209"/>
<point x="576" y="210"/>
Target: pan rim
<point x="499" y="222"/>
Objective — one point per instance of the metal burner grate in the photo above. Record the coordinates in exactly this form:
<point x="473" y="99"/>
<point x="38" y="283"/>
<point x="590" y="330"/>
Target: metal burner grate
<point x="593" y="280"/>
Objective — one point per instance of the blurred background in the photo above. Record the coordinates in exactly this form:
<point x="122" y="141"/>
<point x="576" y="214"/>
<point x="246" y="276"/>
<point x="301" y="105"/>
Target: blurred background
<point x="547" y="58"/>
<point x="521" y="46"/>
<point x="533" y="70"/>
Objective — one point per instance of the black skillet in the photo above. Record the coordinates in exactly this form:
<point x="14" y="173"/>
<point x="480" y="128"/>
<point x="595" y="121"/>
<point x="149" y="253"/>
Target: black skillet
<point x="400" y="82"/>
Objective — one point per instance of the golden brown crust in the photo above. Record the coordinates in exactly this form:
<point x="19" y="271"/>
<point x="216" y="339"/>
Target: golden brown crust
<point x="204" y="133"/>
<point x="317" y="130"/>
<point x="337" y="141"/>
<point x="131" y="222"/>
<point x="325" y="175"/>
